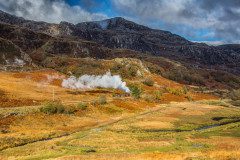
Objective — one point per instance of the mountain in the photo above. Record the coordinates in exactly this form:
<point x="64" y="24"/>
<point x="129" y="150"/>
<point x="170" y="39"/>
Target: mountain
<point x="232" y="47"/>
<point x="121" y="33"/>
<point x="167" y="54"/>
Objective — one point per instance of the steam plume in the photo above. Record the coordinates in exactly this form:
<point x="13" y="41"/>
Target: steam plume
<point x="91" y="81"/>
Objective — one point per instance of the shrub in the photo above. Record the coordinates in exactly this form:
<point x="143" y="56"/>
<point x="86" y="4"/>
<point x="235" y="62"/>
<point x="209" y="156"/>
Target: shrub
<point x="70" y="110"/>
<point x="82" y="106"/>
<point x="174" y="91"/>
<point x="148" y="97"/>
<point x="94" y="103"/>
<point x="132" y="71"/>
<point x="148" y="82"/>
<point x="53" y="108"/>
<point x="153" y="97"/>
<point x="135" y="91"/>
<point x="102" y="100"/>
<point x="158" y="95"/>
<point x="185" y="89"/>
<point x="189" y="98"/>
<point x="125" y="72"/>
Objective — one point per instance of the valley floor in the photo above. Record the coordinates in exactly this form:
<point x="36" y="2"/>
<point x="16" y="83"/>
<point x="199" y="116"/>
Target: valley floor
<point x="168" y="131"/>
<point x="122" y="128"/>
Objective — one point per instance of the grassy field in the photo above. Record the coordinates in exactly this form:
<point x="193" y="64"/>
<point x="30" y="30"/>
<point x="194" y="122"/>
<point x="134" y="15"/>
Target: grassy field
<point x="173" y="131"/>
<point x="167" y="121"/>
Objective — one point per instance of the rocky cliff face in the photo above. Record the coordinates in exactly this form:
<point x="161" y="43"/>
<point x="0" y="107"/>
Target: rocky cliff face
<point x="11" y="55"/>
<point x="118" y="33"/>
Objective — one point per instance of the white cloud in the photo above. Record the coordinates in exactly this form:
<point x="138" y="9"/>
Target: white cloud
<point x="211" y="43"/>
<point x="53" y="11"/>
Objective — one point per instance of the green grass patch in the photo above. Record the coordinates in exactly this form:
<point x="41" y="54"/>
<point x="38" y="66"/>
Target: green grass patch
<point x="230" y="130"/>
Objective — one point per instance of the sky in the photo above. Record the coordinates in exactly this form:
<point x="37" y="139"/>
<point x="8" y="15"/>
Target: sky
<point x="210" y="21"/>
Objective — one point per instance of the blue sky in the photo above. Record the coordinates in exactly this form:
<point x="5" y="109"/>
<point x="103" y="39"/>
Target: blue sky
<point x="210" y="21"/>
<point x="102" y="6"/>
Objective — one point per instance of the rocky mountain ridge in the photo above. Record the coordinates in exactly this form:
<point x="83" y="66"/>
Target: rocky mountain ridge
<point x="164" y="53"/>
<point x="121" y="33"/>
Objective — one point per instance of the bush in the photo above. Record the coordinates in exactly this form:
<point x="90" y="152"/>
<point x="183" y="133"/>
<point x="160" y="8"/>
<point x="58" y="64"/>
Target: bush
<point x="148" y="82"/>
<point x="70" y="110"/>
<point x="82" y="106"/>
<point x="102" y="100"/>
<point x="53" y="108"/>
<point x="148" y="97"/>
<point x="158" y="95"/>
<point x="135" y="91"/>
<point x="153" y="97"/>
<point x="174" y="91"/>
<point x="189" y="98"/>
<point x="94" y="103"/>
<point x="125" y="72"/>
<point x="132" y="71"/>
<point x="185" y="89"/>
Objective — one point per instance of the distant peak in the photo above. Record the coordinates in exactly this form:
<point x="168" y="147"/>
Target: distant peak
<point x="65" y="23"/>
<point x="118" y="18"/>
<point x="117" y="23"/>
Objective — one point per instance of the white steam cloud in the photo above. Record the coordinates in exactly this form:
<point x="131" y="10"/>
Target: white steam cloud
<point x="91" y="81"/>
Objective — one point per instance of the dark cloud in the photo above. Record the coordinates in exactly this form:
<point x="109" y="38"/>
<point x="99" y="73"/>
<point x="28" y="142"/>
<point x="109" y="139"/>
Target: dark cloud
<point x="49" y="11"/>
<point x="214" y="4"/>
<point x="221" y="17"/>
<point x="89" y="4"/>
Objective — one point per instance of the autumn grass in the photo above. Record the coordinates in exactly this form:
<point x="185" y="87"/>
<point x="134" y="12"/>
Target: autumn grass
<point x="143" y="134"/>
<point x="115" y="126"/>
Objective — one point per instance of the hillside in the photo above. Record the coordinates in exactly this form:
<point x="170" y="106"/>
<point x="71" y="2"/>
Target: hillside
<point x="121" y="33"/>
<point x="41" y="41"/>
